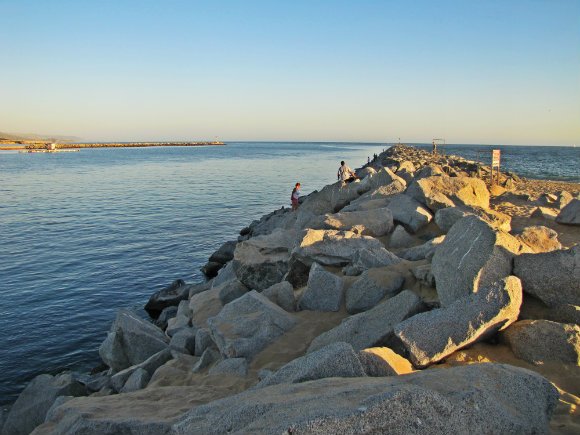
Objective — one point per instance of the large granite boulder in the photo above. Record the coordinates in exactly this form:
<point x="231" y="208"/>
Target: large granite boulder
<point x="130" y="341"/>
<point x="429" y="337"/>
<point x="262" y="261"/>
<point x="372" y="327"/>
<point x="482" y="398"/>
<point x="570" y="214"/>
<point x="445" y="218"/>
<point x="409" y="212"/>
<point x="224" y="253"/>
<point x="442" y="191"/>
<point x="335" y="360"/>
<point x="32" y="405"/>
<point x="324" y="291"/>
<point x="376" y="222"/>
<point x="473" y="255"/>
<point x="282" y="294"/>
<point x="151" y="364"/>
<point x="384" y="177"/>
<point x="421" y="252"/>
<point x="382" y="361"/>
<point x="539" y="341"/>
<point x="365" y="259"/>
<point x="205" y="305"/>
<point x="401" y="239"/>
<point x="553" y="277"/>
<point x="334" y="248"/>
<point x="539" y="239"/>
<point x="372" y="286"/>
<point x="247" y="325"/>
<point x="169" y="296"/>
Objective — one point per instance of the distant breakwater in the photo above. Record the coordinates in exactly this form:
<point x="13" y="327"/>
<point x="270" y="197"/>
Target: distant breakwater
<point x="126" y="145"/>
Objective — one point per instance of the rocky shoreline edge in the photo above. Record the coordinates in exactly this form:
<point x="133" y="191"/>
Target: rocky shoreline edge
<point x="415" y="300"/>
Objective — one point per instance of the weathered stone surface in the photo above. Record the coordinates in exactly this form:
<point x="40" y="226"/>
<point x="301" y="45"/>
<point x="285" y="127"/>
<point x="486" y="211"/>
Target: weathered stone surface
<point x="366" y="171"/>
<point x="131" y="340"/>
<point x="224" y="275"/>
<point x="211" y="268"/>
<point x="406" y="166"/>
<point x="298" y="270"/>
<point x="442" y="191"/>
<point x="539" y="341"/>
<point x="151" y="364"/>
<point x="205" y="305"/>
<point x="184" y="341"/>
<point x="224" y="253"/>
<point x="231" y="290"/>
<point x="553" y="277"/>
<point x="203" y="340"/>
<point x="382" y="361"/>
<point x="263" y="261"/>
<point x="333" y="248"/>
<point x="429" y="171"/>
<point x="282" y="294"/>
<point x="181" y="320"/>
<point x="372" y="286"/>
<point x="446" y="217"/>
<point x="248" y="324"/>
<point x="386" y="191"/>
<point x="231" y="366"/>
<point x="334" y="360"/>
<point x="137" y="381"/>
<point x="424" y="274"/>
<point x="570" y="215"/>
<point x="324" y="291"/>
<point x="372" y="327"/>
<point x="482" y="398"/>
<point x="409" y="212"/>
<point x="429" y="337"/>
<point x="365" y="259"/>
<point x="544" y="213"/>
<point x="473" y="256"/>
<point x="32" y="405"/>
<point x="375" y="222"/>
<point x="539" y="239"/>
<point x="166" y="314"/>
<point x="401" y="239"/>
<point x="169" y="296"/>
<point x="208" y="357"/>
<point x="421" y="252"/>
<point x="384" y="177"/>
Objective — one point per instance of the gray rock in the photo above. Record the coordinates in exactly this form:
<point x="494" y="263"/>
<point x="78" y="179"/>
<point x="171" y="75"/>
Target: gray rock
<point x="166" y="314"/>
<point x="334" y="360"/>
<point x="544" y="213"/>
<point x="224" y="275"/>
<point x="184" y="341"/>
<point x="151" y="364"/>
<point x="224" y="253"/>
<point x="131" y="340"/>
<point x="372" y="286"/>
<point x="262" y="261"/>
<point x="375" y="222"/>
<point x="382" y="361"/>
<point x="211" y="268"/>
<point x="429" y="337"/>
<point x="205" y="305"/>
<point x="298" y="272"/>
<point x="553" y="277"/>
<point x="247" y="325"/>
<point x="539" y="239"/>
<point x="429" y="171"/>
<point x="384" y="177"/>
<point x="409" y="212"/>
<point x="539" y="341"/>
<point x="137" y="381"/>
<point x="406" y="166"/>
<point x="97" y="381"/>
<point x="32" y="405"/>
<point x="334" y="248"/>
<point x="401" y="239"/>
<point x="203" y="341"/>
<point x="169" y="296"/>
<point x="365" y="259"/>
<point x="324" y="291"/>
<point x="208" y="357"/>
<point x="231" y="290"/>
<point x="473" y="255"/>
<point x="60" y="400"/>
<point x="182" y="319"/>
<point x="372" y="327"/>
<point x="570" y="214"/>
<point x="445" y="218"/>
<point x="282" y="294"/>
<point x="442" y="191"/>
<point x="200" y="287"/>
<point x="421" y="252"/>
<point x="231" y="366"/>
<point x="424" y="274"/>
<point x="478" y="399"/>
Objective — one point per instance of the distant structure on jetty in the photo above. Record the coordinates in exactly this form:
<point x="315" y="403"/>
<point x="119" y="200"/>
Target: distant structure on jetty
<point x="33" y="146"/>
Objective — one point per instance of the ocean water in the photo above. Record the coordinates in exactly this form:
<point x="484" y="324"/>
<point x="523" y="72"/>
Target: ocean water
<point x="84" y="234"/>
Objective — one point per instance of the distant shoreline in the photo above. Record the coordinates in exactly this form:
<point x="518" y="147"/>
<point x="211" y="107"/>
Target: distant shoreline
<point x="32" y="146"/>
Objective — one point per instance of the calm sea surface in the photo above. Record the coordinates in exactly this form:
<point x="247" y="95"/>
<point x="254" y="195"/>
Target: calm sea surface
<point x="84" y="234"/>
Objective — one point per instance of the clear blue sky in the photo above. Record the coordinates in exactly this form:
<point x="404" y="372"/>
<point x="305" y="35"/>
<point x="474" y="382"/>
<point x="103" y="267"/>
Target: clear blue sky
<point x="487" y="71"/>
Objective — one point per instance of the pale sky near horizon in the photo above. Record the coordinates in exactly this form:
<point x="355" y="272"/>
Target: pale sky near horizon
<point x="490" y="72"/>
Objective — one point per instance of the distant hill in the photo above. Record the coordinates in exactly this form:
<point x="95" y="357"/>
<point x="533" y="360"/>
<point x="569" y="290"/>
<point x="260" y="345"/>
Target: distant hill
<point x="37" y="137"/>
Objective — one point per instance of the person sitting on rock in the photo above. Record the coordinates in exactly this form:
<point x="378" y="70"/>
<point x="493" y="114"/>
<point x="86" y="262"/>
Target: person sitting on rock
<point x="294" y="197"/>
<point x="345" y="174"/>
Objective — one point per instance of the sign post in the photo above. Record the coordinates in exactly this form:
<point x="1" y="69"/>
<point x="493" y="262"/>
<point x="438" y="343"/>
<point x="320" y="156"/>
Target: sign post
<point x="495" y="161"/>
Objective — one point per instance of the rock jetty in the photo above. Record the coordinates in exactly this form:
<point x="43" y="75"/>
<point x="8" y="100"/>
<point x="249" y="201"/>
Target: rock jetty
<point x="414" y="300"/>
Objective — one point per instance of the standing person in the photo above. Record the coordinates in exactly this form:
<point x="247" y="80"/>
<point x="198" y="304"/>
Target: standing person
<point x="345" y="174"/>
<point x="294" y="197"/>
